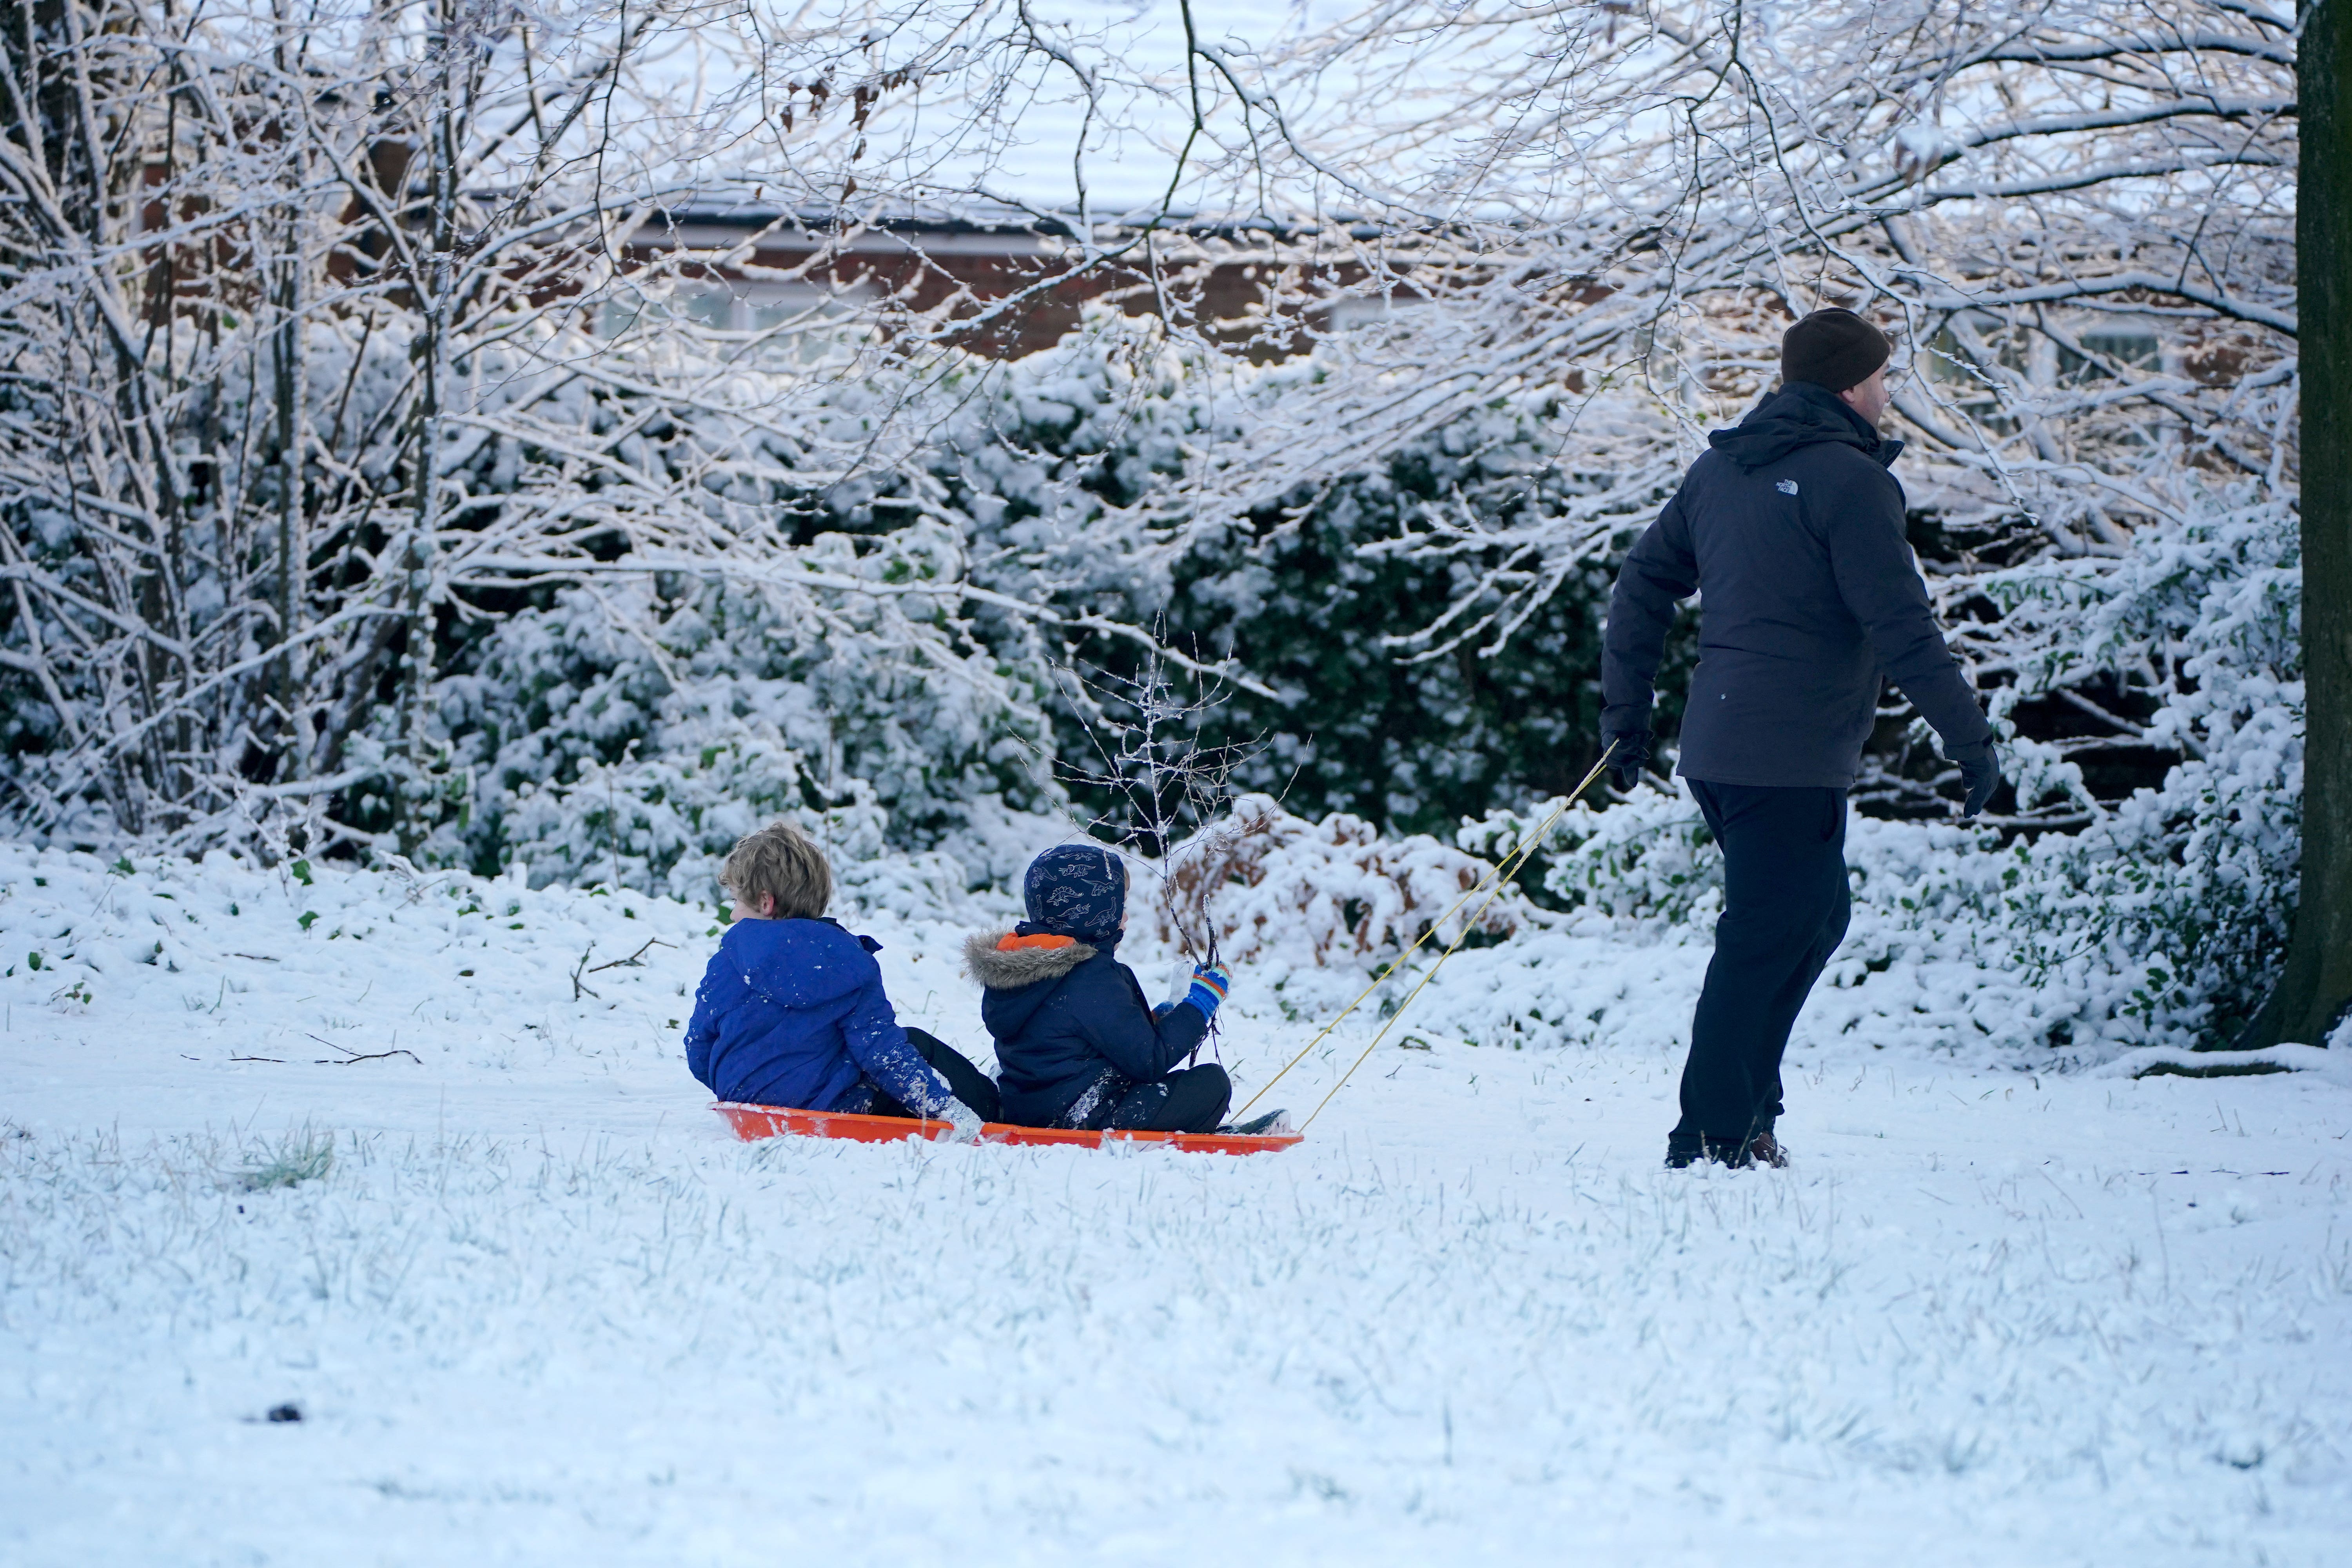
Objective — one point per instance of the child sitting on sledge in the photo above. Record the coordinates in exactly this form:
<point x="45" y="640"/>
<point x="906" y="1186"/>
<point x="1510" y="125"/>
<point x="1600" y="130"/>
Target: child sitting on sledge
<point x="1077" y="1044"/>
<point x="792" y="1012"/>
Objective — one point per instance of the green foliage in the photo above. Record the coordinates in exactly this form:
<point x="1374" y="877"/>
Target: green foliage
<point x="299" y="1158"/>
<point x="1328" y="597"/>
<point x="1361" y="723"/>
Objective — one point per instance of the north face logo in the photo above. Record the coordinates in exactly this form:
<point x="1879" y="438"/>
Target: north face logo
<point x="1786" y="486"/>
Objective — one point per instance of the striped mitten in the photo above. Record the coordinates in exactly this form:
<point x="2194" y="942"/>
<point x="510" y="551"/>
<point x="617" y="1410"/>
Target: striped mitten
<point x="1209" y="982"/>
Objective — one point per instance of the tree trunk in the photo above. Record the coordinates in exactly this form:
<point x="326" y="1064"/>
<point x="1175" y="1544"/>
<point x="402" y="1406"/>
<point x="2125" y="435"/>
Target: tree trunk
<point x="2315" y="990"/>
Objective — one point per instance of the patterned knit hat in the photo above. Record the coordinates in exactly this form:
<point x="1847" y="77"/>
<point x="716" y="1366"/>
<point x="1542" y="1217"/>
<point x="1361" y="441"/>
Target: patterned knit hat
<point x="1078" y="889"/>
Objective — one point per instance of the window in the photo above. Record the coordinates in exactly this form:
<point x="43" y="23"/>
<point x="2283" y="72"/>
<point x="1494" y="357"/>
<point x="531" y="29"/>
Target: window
<point x="2104" y="345"/>
<point x="790" y="321"/>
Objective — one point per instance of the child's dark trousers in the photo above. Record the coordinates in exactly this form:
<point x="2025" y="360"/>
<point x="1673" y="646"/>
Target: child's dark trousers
<point x="965" y="1081"/>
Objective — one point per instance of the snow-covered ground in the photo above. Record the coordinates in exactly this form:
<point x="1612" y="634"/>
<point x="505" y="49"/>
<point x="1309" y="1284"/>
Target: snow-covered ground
<point x="539" y="1308"/>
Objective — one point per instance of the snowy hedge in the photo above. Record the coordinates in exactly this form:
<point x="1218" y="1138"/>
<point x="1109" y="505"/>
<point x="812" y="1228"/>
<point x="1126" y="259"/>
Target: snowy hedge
<point x="626" y="728"/>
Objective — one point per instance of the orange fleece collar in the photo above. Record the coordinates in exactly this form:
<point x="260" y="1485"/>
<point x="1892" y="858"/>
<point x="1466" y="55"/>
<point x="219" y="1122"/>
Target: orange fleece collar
<point x="1008" y="943"/>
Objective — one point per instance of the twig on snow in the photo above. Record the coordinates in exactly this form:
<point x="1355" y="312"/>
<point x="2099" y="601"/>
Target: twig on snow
<point x="635" y="960"/>
<point x="351" y="1056"/>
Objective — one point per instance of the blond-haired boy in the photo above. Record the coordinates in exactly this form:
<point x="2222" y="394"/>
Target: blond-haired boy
<point x="791" y="1010"/>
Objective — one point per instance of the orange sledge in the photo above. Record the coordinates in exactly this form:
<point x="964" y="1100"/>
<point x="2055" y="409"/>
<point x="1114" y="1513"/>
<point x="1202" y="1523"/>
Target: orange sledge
<point x="752" y="1122"/>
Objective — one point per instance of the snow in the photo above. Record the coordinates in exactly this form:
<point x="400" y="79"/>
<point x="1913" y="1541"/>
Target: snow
<point x="540" y="1308"/>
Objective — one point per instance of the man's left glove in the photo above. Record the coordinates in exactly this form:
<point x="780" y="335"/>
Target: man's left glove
<point x="963" y="1122"/>
<point x="1980" y="774"/>
<point x="1627" y="750"/>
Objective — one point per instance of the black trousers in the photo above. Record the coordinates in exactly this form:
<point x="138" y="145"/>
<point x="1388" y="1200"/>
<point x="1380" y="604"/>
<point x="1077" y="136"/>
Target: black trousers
<point x="965" y="1081"/>
<point x="1785" y="908"/>
<point x="1193" y="1100"/>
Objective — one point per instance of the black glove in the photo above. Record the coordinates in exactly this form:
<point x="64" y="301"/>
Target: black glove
<point x="1980" y="772"/>
<point x="1626" y="749"/>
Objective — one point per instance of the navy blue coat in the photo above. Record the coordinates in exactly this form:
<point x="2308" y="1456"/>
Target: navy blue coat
<point x="1790" y="530"/>
<point x="1073" y="1031"/>
<point x="792" y="1013"/>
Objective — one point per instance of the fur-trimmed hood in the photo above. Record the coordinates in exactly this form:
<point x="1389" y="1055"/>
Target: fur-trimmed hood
<point x="1009" y="969"/>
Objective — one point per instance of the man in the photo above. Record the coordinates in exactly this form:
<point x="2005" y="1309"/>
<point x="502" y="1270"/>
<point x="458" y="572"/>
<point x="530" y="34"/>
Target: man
<point x="1790" y="530"/>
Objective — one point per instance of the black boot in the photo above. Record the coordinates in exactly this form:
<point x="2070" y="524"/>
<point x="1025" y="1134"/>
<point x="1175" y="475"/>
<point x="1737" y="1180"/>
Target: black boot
<point x="1683" y="1151"/>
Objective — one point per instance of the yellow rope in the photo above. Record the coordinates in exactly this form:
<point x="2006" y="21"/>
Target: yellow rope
<point x="1502" y="870"/>
<point x="1383" y="978"/>
<point x="1426" y="979"/>
<point x="1527" y="848"/>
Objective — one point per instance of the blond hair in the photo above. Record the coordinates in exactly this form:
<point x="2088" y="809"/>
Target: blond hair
<point x="783" y="861"/>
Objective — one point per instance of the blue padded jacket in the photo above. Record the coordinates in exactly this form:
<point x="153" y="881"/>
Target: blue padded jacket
<point x="792" y="1013"/>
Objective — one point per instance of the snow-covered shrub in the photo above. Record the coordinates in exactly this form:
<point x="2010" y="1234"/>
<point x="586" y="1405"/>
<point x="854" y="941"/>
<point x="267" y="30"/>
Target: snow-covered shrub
<point x="634" y="733"/>
<point x="633" y="729"/>
<point x="1648" y="859"/>
<point x="1293" y="894"/>
<point x="1063" y="465"/>
<point x="1330" y="599"/>
<point x="2194" y="880"/>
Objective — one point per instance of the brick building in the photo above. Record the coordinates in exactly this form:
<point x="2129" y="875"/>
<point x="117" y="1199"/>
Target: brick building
<point x="1012" y="275"/>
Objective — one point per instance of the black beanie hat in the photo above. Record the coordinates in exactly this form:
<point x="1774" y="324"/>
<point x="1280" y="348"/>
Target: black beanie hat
<point x="1833" y="348"/>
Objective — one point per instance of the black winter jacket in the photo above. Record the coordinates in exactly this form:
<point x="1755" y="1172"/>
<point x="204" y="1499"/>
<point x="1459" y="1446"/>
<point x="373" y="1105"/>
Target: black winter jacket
<point x="1073" y="1032"/>
<point x="1790" y="530"/>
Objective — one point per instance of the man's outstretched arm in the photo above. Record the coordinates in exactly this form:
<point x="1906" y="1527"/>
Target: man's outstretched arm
<point x="1880" y="582"/>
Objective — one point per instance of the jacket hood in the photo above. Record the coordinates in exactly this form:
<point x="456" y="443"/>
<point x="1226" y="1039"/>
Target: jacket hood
<point x="799" y="964"/>
<point x="1016" y="977"/>
<point x="1001" y="968"/>
<point x="1800" y="414"/>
